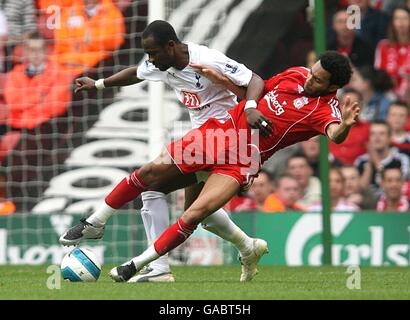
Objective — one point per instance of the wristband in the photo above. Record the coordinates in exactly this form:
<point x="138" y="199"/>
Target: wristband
<point x="250" y="104"/>
<point x="99" y="84"/>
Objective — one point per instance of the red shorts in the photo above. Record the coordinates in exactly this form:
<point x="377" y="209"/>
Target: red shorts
<point x="217" y="148"/>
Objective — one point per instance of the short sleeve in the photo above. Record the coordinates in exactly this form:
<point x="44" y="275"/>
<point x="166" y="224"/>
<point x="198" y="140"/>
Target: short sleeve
<point x="147" y="71"/>
<point x="325" y="114"/>
<point x="238" y="73"/>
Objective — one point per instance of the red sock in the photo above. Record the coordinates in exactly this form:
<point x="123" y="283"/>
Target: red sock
<point x="173" y="236"/>
<point x="128" y="189"/>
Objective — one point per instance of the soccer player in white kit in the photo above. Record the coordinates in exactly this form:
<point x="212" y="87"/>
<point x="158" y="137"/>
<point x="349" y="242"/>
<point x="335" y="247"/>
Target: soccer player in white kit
<point x="173" y="62"/>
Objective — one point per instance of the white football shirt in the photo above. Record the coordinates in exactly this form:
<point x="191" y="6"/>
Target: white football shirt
<point x="203" y="98"/>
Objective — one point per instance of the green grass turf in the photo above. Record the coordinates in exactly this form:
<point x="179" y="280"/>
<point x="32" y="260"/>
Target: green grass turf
<point x="221" y="282"/>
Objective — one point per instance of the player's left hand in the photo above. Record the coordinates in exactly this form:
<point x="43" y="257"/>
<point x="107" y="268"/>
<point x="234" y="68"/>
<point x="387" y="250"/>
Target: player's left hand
<point x="256" y="120"/>
<point x="209" y="73"/>
<point x="350" y="112"/>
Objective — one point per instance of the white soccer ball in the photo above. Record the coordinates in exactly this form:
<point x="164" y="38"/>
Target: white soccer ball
<point x="81" y="264"/>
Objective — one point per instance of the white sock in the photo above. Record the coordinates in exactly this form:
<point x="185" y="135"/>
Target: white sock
<point x="101" y="215"/>
<point x="146" y="257"/>
<point x="220" y="224"/>
<point x="155" y="216"/>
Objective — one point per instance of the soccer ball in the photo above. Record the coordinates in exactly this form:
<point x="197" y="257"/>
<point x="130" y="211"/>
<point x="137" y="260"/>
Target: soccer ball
<point x="80" y="264"/>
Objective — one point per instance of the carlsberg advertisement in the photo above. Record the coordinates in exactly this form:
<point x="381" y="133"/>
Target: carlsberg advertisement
<point x="295" y="239"/>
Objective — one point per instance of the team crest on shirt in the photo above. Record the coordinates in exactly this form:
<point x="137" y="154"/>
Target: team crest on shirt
<point x="300" y="102"/>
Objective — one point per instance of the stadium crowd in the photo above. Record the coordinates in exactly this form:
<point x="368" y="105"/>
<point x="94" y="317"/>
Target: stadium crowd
<point x="372" y="164"/>
<point x="369" y="171"/>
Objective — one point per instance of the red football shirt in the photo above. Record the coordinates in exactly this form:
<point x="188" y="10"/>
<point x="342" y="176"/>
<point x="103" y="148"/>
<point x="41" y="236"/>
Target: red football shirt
<point x="395" y="60"/>
<point x="354" y="145"/>
<point x="295" y="116"/>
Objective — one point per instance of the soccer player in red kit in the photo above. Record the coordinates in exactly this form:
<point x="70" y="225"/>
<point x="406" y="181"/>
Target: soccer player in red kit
<point x="300" y="104"/>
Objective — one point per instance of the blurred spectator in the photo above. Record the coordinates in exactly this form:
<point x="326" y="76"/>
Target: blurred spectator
<point x="389" y="5"/>
<point x="48" y="14"/>
<point x="353" y="191"/>
<point x="374" y="23"/>
<point x="38" y="95"/>
<point x="338" y="202"/>
<point x="379" y="156"/>
<point x="36" y="90"/>
<point x="261" y="188"/>
<point x="285" y="197"/>
<point x="397" y="119"/>
<point x="90" y="31"/>
<point x="393" y="54"/>
<point x="21" y="18"/>
<point x="245" y="203"/>
<point x="311" y="149"/>
<point x="346" y="41"/>
<point x="392" y="198"/>
<point x="3" y="39"/>
<point x="44" y="4"/>
<point x="355" y="143"/>
<point x="374" y="86"/>
<point x="298" y="167"/>
<point x="6" y="207"/>
<point x="311" y="59"/>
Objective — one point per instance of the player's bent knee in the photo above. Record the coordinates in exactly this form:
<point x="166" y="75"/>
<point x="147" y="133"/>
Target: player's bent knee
<point x="152" y="174"/>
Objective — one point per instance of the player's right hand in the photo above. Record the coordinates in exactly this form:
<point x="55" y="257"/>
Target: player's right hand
<point x="256" y="120"/>
<point x="84" y="84"/>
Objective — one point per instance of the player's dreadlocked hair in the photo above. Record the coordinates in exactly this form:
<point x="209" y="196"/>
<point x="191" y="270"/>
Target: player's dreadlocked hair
<point x="161" y="31"/>
<point x="338" y="66"/>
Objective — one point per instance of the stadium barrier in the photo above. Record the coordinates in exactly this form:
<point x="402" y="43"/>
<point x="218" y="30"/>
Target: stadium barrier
<point x="375" y="239"/>
<point x="365" y="238"/>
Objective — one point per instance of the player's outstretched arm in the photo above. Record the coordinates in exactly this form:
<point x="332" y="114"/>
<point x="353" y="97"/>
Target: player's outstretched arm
<point x="219" y="78"/>
<point x="252" y="93"/>
<point x="125" y="77"/>
<point x="350" y="112"/>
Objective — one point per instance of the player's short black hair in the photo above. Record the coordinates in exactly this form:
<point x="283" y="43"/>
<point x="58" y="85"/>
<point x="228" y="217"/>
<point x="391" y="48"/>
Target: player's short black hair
<point x="338" y="66"/>
<point x="161" y="31"/>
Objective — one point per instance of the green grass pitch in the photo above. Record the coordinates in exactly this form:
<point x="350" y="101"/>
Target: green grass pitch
<point x="214" y="283"/>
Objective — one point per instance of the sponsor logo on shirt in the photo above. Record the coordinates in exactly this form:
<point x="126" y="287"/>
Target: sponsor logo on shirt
<point x="190" y="99"/>
<point x="206" y="106"/>
<point x="273" y="103"/>
<point x="300" y="102"/>
<point x="231" y="68"/>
